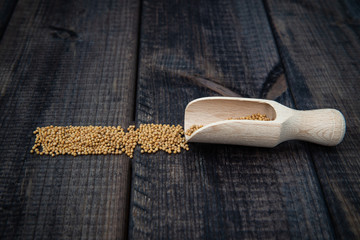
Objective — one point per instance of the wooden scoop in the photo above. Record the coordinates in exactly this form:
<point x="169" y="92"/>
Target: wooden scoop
<point x="323" y="126"/>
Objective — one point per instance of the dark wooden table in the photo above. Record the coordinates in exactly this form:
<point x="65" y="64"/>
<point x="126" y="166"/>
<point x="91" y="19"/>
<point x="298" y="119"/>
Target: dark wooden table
<point x="90" y="62"/>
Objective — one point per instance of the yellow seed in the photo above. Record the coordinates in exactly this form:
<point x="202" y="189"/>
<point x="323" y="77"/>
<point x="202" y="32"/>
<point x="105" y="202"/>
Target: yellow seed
<point x="73" y="140"/>
<point x="256" y="116"/>
<point x="192" y="129"/>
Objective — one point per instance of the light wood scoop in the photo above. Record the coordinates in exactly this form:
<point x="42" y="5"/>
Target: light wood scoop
<point x="322" y="126"/>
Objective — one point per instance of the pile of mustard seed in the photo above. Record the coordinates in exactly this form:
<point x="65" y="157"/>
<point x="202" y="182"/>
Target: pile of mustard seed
<point x="85" y="140"/>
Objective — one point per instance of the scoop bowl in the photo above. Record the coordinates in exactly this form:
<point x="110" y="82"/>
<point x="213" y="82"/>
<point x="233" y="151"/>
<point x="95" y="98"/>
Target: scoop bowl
<point x="322" y="126"/>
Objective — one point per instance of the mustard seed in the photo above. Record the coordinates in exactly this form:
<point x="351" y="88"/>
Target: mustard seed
<point x="84" y="140"/>
<point x="256" y="116"/>
<point x="192" y="129"/>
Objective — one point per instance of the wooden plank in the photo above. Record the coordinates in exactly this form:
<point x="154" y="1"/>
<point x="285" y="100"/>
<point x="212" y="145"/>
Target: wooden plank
<point x="65" y="63"/>
<point x="200" y="48"/>
<point x="320" y="48"/>
<point x="6" y="10"/>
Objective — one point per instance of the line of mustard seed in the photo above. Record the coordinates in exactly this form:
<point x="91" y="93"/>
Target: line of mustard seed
<point x="85" y="140"/>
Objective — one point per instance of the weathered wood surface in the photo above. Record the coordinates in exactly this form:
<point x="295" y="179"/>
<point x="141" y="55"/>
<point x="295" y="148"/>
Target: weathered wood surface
<point x="319" y="42"/>
<point x="75" y="62"/>
<point x="65" y="63"/>
<point x="191" y="49"/>
<point x="6" y="10"/>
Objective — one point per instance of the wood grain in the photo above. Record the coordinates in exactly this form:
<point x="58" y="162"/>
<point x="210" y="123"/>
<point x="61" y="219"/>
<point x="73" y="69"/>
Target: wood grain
<point x="65" y="63"/>
<point x="320" y="47"/>
<point x="217" y="191"/>
<point x="6" y="9"/>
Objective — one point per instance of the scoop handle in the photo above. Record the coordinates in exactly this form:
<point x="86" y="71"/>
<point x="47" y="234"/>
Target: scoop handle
<point x="323" y="126"/>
